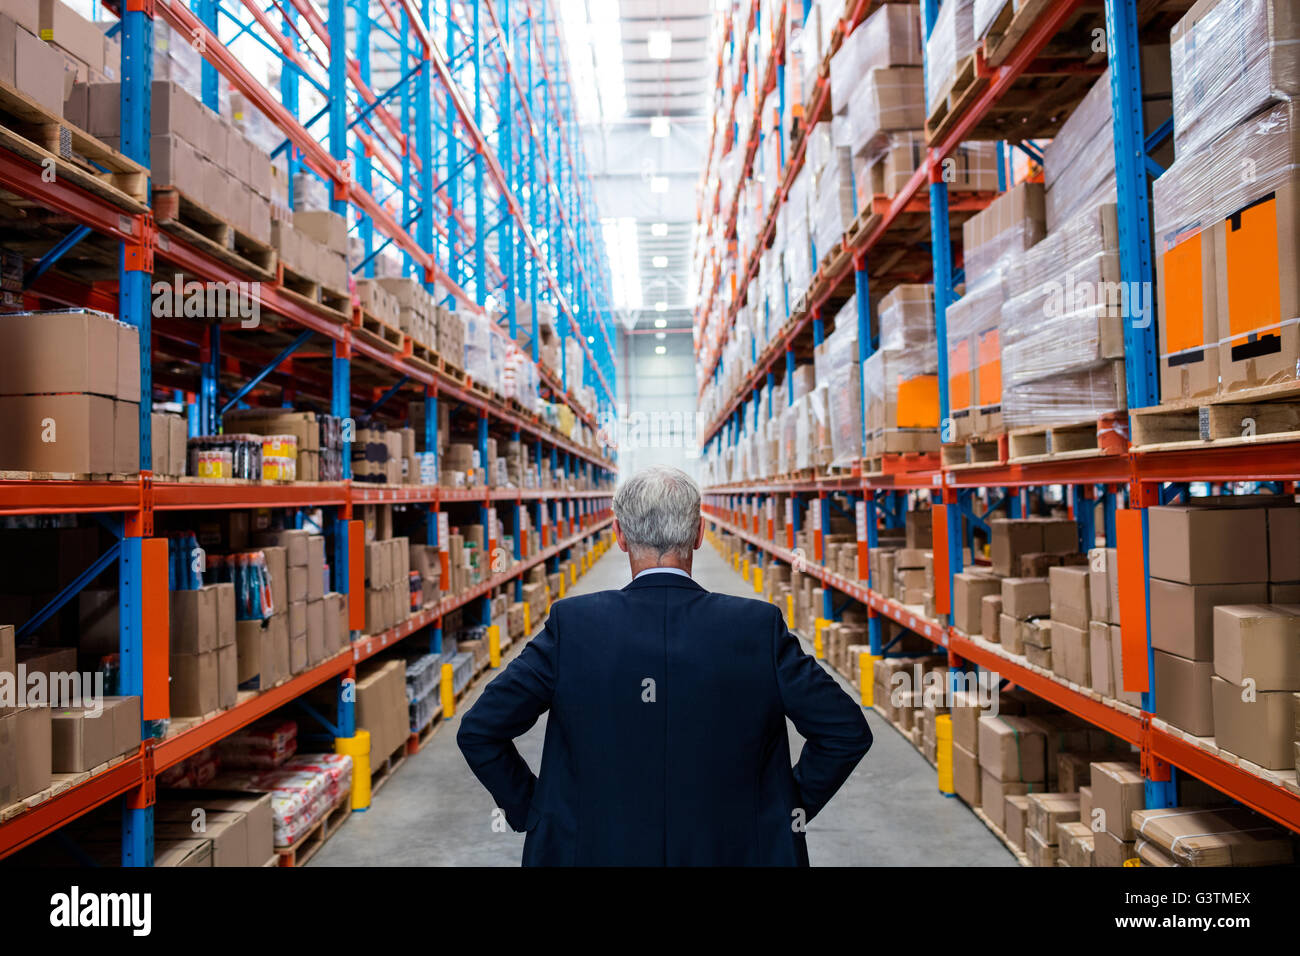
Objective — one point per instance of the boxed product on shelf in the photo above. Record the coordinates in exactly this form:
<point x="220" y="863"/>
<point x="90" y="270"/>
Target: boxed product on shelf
<point x="969" y="590"/>
<point x="1012" y="223"/>
<point x="901" y="379"/>
<point x="887" y="100"/>
<point x="836" y="366"/>
<point x="951" y="40"/>
<point x="834" y="197"/>
<point x="1229" y="59"/>
<point x="1223" y="836"/>
<point x="85" y="737"/>
<point x="1061" y="331"/>
<point x="29" y="65"/>
<point x="1079" y="162"/>
<point x="1225" y="252"/>
<point x="1255" y="677"/>
<point x="889" y="37"/>
<point x="975" y="360"/>
<point x="64" y="407"/>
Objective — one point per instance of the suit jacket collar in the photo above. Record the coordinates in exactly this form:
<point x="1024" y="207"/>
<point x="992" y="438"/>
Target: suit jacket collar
<point x="663" y="579"/>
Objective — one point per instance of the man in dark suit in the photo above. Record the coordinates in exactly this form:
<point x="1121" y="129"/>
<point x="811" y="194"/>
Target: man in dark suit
<point x="666" y="741"/>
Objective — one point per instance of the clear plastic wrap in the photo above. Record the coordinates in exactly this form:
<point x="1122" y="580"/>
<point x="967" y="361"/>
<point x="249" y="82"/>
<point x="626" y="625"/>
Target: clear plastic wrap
<point x="886" y="100"/>
<point x="1009" y="225"/>
<point x="1062" y="321"/>
<point x="835" y="201"/>
<point x="818" y="148"/>
<point x="889" y="37"/>
<point x="950" y="42"/>
<point x="1081" y="158"/>
<point x="837" y="368"/>
<point x="974" y="355"/>
<point x="902" y="374"/>
<point x="1229" y="60"/>
<point x="983" y="14"/>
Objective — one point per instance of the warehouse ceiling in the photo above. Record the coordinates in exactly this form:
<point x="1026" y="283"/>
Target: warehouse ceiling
<point x="645" y="140"/>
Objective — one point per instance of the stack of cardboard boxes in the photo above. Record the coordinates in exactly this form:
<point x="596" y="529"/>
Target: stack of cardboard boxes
<point x="46" y="47"/>
<point x="381" y="708"/>
<point x="204" y="659"/>
<point x="388" y="583"/>
<point x="1224" y="607"/>
<point x="70" y="384"/>
<point x="1225" y="242"/>
<point x="901" y="376"/>
<point x="310" y="641"/>
<point x="314" y="245"/>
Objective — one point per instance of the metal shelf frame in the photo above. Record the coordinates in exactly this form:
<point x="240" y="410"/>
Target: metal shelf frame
<point x="1125" y="484"/>
<point x="471" y="165"/>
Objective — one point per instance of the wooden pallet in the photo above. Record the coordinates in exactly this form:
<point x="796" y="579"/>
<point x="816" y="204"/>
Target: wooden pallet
<point x="1270" y="413"/>
<point x="420" y="355"/>
<point x="967" y="82"/>
<point x="308" y="845"/>
<point x="380" y="334"/>
<point x="1009" y="28"/>
<point x="186" y="219"/>
<point x="382" y="772"/>
<point x="66" y="476"/>
<point x="1108" y="436"/>
<point x="30" y="130"/>
<point x="977" y="451"/>
<point x="335" y="306"/>
<point x="419" y="739"/>
<point x="899" y="463"/>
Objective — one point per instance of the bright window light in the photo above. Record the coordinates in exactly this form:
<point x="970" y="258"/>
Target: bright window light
<point x="661" y="262"/>
<point x="661" y="323"/>
<point x="660" y="350"/>
<point x="659" y="44"/>
<point x="659" y="230"/>
<point x="624" y="261"/>
<point x="659" y="184"/>
<point x="661" y="306"/>
<point x="659" y="127"/>
<point x="595" y="48"/>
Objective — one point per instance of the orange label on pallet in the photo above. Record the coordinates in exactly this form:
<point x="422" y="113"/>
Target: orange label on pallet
<point x="918" y="402"/>
<point x="1254" y="285"/>
<point x="959" y="379"/>
<point x="990" y="368"/>
<point x="1184" y="299"/>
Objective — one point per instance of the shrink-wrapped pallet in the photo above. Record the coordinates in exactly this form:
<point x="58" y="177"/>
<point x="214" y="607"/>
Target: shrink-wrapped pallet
<point x="901" y="377"/>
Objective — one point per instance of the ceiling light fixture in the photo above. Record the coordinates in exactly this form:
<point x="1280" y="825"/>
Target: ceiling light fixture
<point x="661" y="323"/>
<point x="659" y="230"/>
<point x="661" y="262"/>
<point x="661" y="306"/>
<point x="659" y="127"/>
<point x="660" y="350"/>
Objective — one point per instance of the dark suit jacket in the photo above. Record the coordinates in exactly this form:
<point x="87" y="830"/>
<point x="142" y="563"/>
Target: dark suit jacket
<point x="666" y="742"/>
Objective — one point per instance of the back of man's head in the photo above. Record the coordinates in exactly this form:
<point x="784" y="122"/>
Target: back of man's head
<point x="658" y="510"/>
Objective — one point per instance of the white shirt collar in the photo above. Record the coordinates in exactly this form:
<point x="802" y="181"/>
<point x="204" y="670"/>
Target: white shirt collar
<point x="662" y="571"/>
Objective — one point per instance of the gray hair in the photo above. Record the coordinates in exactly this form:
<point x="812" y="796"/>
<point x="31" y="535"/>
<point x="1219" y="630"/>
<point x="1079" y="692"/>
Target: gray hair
<point x="658" y="509"/>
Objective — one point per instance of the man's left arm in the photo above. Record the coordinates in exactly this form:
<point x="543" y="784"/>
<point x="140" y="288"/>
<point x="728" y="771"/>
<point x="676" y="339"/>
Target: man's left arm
<point x="506" y="709"/>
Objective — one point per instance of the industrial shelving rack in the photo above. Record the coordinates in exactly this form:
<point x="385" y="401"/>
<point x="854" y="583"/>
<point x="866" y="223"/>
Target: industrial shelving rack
<point x="1125" y="484"/>
<point x="482" y="120"/>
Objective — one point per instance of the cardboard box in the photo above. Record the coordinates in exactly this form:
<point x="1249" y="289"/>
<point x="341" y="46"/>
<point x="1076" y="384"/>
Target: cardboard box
<point x="226" y="833"/>
<point x="1260" y="643"/>
<point x="1100" y="672"/>
<point x="990" y="615"/>
<point x="1070" y="601"/>
<point x="1039" y="851"/>
<point x="225" y="605"/>
<point x="194" y="684"/>
<point x="1015" y="815"/>
<point x="316" y="650"/>
<point x="969" y="589"/>
<point x="81" y="739"/>
<point x="193" y="616"/>
<point x="297" y="654"/>
<point x="1224" y="836"/>
<point x="994" y="792"/>
<point x="1182" y="615"/>
<point x="295" y="542"/>
<point x="1262" y="730"/>
<point x="1110" y="850"/>
<point x="1103" y="585"/>
<point x="65" y="433"/>
<point x="1025" y="598"/>
<point x="1074" y="844"/>
<point x="1117" y="790"/>
<point x="1071" y="654"/>
<point x="1010" y="538"/>
<point x="1198" y="545"/>
<point x="966" y="775"/>
<point x="297" y="588"/>
<point x="8" y="657"/>
<point x="38" y="69"/>
<point x="25" y="753"/>
<point x="1009" y="634"/>
<point x="1133" y="697"/>
<point x="1183" y="693"/>
<point x="1284" y="544"/>
<point x="63" y="352"/>
<point x="1048" y="810"/>
<point x="124" y="712"/>
<point x="333" y="622"/>
<point x="255" y="809"/>
<point x="325" y="227"/>
<point x="227" y="675"/>
<point x="1011" y="748"/>
<point x="1187" y="304"/>
<point x="315" y="567"/>
<point x="279" y="574"/>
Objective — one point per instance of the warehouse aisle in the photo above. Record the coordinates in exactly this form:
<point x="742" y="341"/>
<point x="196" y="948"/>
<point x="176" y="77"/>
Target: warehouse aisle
<point x="433" y="812"/>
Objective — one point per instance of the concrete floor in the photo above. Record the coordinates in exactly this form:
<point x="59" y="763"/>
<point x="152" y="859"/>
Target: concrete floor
<point x="889" y="812"/>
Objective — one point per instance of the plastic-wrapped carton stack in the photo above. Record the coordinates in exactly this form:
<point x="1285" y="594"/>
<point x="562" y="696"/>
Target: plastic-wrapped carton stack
<point x="837" y="373"/>
<point x="1062" y="330"/>
<point x="1226" y="211"/>
<point x="950" y="42"/>
<point x="902" y="385"/>
<point x="992" y="240"/>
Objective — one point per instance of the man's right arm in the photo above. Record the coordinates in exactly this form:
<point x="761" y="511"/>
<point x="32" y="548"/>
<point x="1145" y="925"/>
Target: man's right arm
<point x="835" y="732"/>
<point x="506" y="709"/>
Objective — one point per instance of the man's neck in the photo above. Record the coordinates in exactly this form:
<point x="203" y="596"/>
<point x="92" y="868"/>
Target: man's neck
<point x="639" y="566"/>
